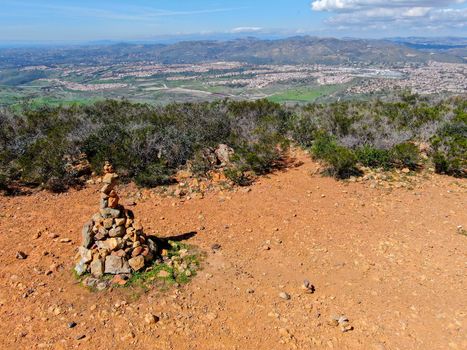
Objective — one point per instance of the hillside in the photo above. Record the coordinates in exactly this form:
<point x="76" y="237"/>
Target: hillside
<point x="295" y="50"/>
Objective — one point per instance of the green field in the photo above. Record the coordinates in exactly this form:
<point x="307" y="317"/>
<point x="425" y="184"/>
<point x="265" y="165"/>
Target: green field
<point x="304" y="94"/>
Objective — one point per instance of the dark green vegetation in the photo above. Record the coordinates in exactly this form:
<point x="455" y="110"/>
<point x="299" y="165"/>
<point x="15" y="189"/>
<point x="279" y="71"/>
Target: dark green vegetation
<point x="52" y="146"/>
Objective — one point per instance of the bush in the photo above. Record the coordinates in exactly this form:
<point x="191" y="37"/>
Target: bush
<point x="405" y="155"/>
<point x="374" y="157"/>
<point x="238" y="176"/>
<point x="450" y="150"/>
<point x="342" y="161"/>
<point x="153" y="175"/>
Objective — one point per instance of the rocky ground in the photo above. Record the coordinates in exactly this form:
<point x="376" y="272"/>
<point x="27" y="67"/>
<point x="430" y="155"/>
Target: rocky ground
<point x="390" y="260"/>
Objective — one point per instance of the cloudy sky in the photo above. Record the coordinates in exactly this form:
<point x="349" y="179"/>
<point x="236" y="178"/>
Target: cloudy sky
<point x="50" y="20"/>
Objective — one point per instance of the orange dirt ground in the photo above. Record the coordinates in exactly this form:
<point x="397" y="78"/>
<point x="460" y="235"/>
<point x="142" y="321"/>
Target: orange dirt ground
<point x="391" y="261"/>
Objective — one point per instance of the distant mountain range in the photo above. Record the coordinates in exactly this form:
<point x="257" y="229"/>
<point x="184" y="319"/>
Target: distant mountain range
<point x="294" y="50"/>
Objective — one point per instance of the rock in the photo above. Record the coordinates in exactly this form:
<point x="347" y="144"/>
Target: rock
<point x="116" y="265"/>
<point x="110" y="213"/>
<point x="137" y="251"/>
<point x="118" y="231"/>
<point x="216" y="246"/>
<point x="81" y="268"/>
<point x="406" y="170"/>
<point x="104" y="203"/>
<point x="86" y="235"/>
<point x="81" y="336"/>
<point x="102" y="285"/>
<point x="120" y="221"/>
<point x="109" y="244"/>
<point x="108" y="223"/>
<point x="163" y="274"/>
<point x="121" y="253"/>
<point x="284" y="295"/>
<point x="71" y="324"/>
<point x="121" y="280"/>
<point x="21" y="255"/>
<point x="223" y="154"/>
<point x="152" y="245"/>
<point x="97" y="268"/>
<point x="85" y="254"/>
<point x="151" y="319"/>
<point x="109" y="178"/>
<point x="107" y="188"/>
<point x="308" y="287"/>
<point x="136" y="263"/>
<point x="346" y="328"/>
<point x="113" y="202"/>
<point x="342" y="319"/>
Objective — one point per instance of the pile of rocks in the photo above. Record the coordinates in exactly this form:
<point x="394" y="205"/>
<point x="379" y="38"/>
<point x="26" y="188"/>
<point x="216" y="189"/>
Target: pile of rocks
<point x="113" y="243"/>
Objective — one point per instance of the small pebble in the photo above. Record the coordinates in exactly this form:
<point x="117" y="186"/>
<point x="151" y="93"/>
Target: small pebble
<point x="21" y="255"/>
<point x="284" y="295"/>
<point x="72" y="324"/>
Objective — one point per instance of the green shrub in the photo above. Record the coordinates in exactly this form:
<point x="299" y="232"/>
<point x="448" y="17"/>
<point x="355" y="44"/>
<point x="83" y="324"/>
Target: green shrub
<point x="238" y="176"/>
<point x="374" y="157"/>
<point x="153" y="175"/>
<point x="450" y="150"/>
<point x="405" y="155"/>
<point x="341" y="160"/>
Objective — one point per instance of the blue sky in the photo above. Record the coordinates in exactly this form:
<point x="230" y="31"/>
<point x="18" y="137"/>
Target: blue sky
<point x="59" y="20"/>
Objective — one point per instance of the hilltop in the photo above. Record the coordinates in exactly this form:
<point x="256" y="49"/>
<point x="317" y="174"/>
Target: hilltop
<point x="391" y="261"/>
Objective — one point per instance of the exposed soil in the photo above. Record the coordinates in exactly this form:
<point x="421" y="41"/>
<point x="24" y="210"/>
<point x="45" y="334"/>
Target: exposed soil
<point x="392" y="261"/>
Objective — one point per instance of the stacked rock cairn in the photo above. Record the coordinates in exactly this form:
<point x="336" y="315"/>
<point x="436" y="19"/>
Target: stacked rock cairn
<point x="113" y="243"/>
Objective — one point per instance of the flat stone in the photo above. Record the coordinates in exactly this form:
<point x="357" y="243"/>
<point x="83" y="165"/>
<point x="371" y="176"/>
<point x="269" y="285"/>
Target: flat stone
<point x="121" y="253"/>
<point x="136" y="263"/>
<point x="137" y="251"/>
<point x="86" y="235"/>
<point x="118" y="231"/>
<point x="107" y="188"/>
<point x="121" y="280"/>
<point x="109" y="178"/>
<point x="116" y="265"/>
<point x="97" y="268"/>
<point x="120" y="221"/>
<point x="110" y="213"/>
<point x="86" y="254"/>
<point x="108" y="223"/>
<point x="81" y="268"/>
<point x="109" y="244"/>
<point x="284" y="295"/>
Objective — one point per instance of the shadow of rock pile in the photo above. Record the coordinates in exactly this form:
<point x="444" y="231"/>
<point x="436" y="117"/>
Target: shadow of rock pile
<point x="113" y="243"/>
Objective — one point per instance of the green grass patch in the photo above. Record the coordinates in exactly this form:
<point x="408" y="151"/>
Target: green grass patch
<point x="179" y="264"/>
<point x="304" y="94"/>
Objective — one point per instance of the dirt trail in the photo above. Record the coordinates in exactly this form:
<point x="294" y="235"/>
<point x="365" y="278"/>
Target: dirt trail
<point x="391" y="262"/>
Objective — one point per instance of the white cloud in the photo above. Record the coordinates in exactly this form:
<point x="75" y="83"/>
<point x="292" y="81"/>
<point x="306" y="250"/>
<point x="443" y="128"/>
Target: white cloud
<point x="246" y="29"/>
<point x="352" y="5"/>
<point x="381" y="14"/>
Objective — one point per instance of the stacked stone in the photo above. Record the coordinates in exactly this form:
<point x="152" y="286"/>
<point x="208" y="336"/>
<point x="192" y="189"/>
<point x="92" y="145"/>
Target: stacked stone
<point x="113" y="243"/>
